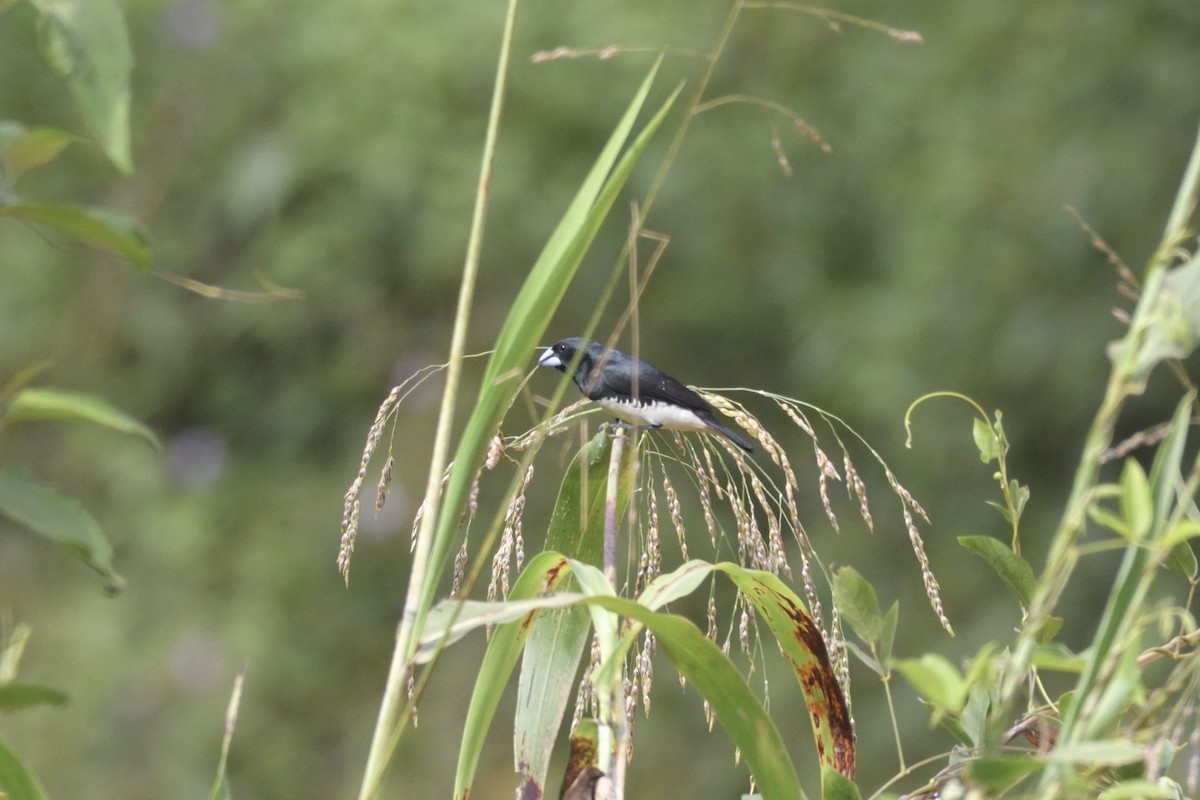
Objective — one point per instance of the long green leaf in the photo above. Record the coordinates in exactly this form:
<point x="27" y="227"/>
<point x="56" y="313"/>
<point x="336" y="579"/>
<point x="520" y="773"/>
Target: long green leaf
<point x="108" y="230"/>
<point x="56" y="404"/>
<point x="556" y="643"/>
<point x="804" y="648"/>
<point x="527" y="320"/>
<point x="696" y="657"/>
<point x="540" y="575"/>
<point x="48" y="512"/>
<point x="733" y="703"/>
<point x="86" y="42"/>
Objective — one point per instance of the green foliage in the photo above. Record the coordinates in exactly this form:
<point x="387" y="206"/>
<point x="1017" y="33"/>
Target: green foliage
<point x="86" y="43"/>
<point x="855" y="283"/>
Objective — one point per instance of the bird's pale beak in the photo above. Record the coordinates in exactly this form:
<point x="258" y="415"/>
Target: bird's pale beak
<point x="549" y="359"/>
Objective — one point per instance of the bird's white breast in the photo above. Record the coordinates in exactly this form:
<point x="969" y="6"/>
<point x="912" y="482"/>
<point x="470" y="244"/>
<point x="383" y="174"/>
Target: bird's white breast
<point x="653" y="414"/>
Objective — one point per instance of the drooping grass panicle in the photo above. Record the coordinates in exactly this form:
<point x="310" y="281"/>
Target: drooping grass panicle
<point x="352" y="504"/>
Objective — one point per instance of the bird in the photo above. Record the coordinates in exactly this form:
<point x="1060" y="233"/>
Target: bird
<point x="633" y="390"/>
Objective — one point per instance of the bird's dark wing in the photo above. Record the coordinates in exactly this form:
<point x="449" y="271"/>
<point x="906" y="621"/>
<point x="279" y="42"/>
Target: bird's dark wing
<point x="652" y="385"/>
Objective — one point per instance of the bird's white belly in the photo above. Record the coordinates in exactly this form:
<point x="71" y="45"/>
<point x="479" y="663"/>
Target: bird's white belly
<point x="654" y="414"/>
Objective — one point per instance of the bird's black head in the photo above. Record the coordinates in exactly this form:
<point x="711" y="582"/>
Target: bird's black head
<point x="560" y="354"/>
<point x="590" y="354"/>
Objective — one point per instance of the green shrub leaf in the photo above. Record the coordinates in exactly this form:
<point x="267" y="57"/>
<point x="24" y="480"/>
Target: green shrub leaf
<point x="47" y="512"/>
<point x="85" y="41"/>
<point x="1012" y="569"/>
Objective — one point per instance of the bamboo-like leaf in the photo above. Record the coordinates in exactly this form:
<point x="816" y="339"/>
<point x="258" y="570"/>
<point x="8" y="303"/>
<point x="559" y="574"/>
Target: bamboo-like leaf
<point x="86" y="42"/>
<point x="527" y="320"/>
<point x="558" y="637"/>
<point x="737" y="710"/>
<point x="30" y="405"/>
<point x="675" y="585"/>
<point x="17" y="781"/>
<point x="107" y="230"/>
<point x="804" y="648"/>
<point x="698" y="659"/>
<point x="48" y="512"/>
<point x="543" y="573"/>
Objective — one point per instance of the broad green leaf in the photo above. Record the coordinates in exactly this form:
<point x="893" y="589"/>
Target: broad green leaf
<point x="836" y="786"/>
<point x="1136" y="505"/>
<point x="935" y="679"/>
<point x="30" y="405"/>
<point x="107" y="230"/>
<point x="985" y="440"/>
<point x="997" y="774"/>
<point x="15" y="779"/>
<point x="855" y="597"/>
<point x="85" y="41"/>
<point x="528" y="318"/>
<point x="49" y="513"/>
<point x="16" y="696"/>
<point x="558" y="638"/>
<point x="1012" y="569"/>
<point x="1057" y="657"/>
<point x="35" y="148"/>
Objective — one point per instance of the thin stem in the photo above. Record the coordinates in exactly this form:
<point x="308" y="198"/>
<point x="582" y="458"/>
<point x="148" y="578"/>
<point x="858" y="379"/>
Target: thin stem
<point x="612" y="758"/>
<point x="382" y="741"/>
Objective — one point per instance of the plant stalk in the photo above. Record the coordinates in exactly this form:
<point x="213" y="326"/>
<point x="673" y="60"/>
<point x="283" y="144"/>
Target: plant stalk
<point x="382" y="742"/>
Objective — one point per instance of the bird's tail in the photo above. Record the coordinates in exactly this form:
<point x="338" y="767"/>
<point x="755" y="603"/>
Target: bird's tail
<point x="711" y="421"/>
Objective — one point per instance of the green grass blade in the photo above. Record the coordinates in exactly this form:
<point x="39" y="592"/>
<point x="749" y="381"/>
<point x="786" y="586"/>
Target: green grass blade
<point x="527" y="322"/>
<point x="558" y="638"/>
<point x="736" y="708"/>
<point x="542" y="574"/>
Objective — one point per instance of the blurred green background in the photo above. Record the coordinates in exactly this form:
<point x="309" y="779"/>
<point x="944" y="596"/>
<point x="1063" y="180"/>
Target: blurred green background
<point x="333" y="149"/>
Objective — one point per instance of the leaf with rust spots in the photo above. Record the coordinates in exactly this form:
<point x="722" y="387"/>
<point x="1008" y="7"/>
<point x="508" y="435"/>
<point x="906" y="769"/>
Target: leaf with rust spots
<point x="804" y="648"/>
